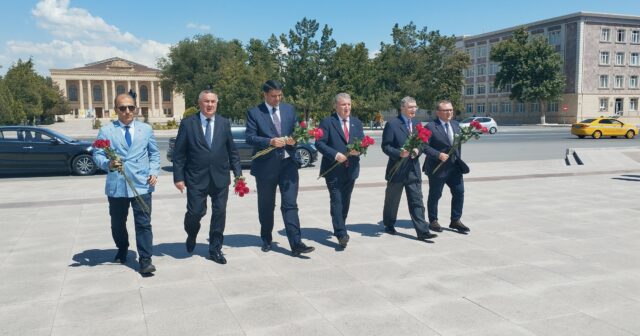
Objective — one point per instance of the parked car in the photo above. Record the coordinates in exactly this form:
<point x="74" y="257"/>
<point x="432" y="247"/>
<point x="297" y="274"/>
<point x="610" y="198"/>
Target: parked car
<point x="599" y="127"/>
<point x="306" y="153"/>
<point x="487" y="122"/>
<point x="28" y="149"/>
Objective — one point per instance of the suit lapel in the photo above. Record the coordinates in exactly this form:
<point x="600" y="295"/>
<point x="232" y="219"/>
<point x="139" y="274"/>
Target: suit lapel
<point x="266" y="116"/>
<point x="337" y="124"/>
<point x="196" y="127"/>
<point x="217" y="132"/>
<point x="119" y="136"/>
<point x="405" y="127"/>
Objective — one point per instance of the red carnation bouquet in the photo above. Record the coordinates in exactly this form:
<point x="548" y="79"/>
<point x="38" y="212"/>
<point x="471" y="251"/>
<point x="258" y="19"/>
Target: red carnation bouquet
<point x="105" y="145"/>
<point x="358" y="146"/>
<point x="472" y="131"/>
<point x="301" y="133"/>
<point x="415" y="140"/>
<point x="240" y="186"/>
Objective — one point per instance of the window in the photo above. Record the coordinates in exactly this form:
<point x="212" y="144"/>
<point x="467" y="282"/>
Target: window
<point x="604" y="104"/>
<point x="620" y="36"/>
<point x="469" y="108"/>
<point x="166" y="95"/>
<point x="604" y="57"/>
<point x="635" y="59"/>
<point x="605" y="35"/>
<point x="469" y="90"/>
<point x="618" y="82"/>
<point x="633" y="82"/>
<point x="535" y="107"/>
<point x="493" y="107"/>
<point x="604" y="81"/>
<point x="97" y="93"/>
<point x="482" y="69"/>
<point x="469" y="72"/>
<point x="506" y="107"/>
<point x="144" y="93"/>
<point x="73" y="92"/>
<point x="493" y="68"/>
<point x="633" y="104"/>
<point x="482" y="89"/>
<point x="482" y="51"/>
<point x="492" y="89"/>
<point x="635" y="36"/>
<point x="554" y="37"/>
<point x="619" y="58"/>
<point x="471" y="52"/>
<point x="480" y="108"/>
<point x="120" y="89"/>
<point x="169" y="113"/>
<point x="552" y="107"/>
<point x="520" y="107"/>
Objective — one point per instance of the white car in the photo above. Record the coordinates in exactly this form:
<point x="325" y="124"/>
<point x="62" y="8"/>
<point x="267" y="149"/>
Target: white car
<point x="487" y="122"/>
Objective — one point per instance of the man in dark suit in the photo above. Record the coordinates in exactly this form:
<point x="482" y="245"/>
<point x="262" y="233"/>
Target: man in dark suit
<point x="443" y="131"/>
<point x="271" y="124"/>
<point x="203" y="155"/>
<point x="408" y="175"/>
<point x="339" y="130"/>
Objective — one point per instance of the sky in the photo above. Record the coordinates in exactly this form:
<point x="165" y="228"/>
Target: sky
<point x="61" y="34"/>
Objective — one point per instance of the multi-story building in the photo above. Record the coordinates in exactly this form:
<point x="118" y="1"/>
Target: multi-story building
<point x="601" y="63"/>
<point x="91" y="90"/>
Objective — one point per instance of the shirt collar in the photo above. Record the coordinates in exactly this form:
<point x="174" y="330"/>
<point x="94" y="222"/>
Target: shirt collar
<point x="203" y="118"/>
<point x="270" y="108"/>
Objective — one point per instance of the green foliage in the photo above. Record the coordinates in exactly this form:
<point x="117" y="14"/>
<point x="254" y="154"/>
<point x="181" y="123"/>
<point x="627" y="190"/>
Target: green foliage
<point x="190" y="111"/>
<point x="97" y="123"/>
<point x="10" y="111"/>
<point x="531" y="66"/>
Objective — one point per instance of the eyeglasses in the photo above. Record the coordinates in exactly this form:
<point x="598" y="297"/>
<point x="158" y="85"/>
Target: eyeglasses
<point x="446" y="110"/>
<point x="124" y="108"/>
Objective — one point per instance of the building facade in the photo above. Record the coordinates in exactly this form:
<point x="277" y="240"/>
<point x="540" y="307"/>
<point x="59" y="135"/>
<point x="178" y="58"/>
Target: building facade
<point x="601" y="64"/>
<point x="91" y="90"/>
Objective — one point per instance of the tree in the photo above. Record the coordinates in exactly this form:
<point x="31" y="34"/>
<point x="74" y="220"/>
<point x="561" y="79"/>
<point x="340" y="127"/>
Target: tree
<point x="10" y="112"/>
<point x="531" y="66"/>
<point x="53" y="101"/>
<point x="25" y="87"/>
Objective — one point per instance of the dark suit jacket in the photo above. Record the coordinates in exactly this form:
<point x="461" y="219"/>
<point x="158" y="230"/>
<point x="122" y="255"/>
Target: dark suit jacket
<point x="196" y="164"/>
<point x="439" y="143"/>
<point x="260" y="130"/>
<point x="333" y="141"/>
<point x="394" y="136"/>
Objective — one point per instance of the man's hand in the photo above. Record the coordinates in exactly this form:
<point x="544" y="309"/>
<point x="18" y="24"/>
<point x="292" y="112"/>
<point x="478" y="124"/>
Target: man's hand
<point x="277" y="142"/>
<point x="415" y="154"/>
<point x="354" y="152"/>
<point x="341" y="157"/>
<point x="443" y="156"/>
<point x="404" y="153"/>
<point x="152" y="180"/>
<point x="290" y="141"/>
<point x="115" y="164"/>
<point x="180" y="185"/>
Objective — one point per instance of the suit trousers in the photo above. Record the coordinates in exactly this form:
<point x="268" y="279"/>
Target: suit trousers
<point x="197" y="208"/>
<point x="340" y="188"/>
<point x="119" y="210"/>
<point x="392" y="196"/>
<point x="287" y="180"/>
<point x="456" y="184"/>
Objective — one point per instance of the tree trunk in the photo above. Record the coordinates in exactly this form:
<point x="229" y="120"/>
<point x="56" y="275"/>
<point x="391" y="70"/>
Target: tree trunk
<point x="542" y="116"/>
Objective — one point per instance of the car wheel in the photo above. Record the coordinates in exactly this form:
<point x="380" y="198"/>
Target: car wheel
<point x="305" y="157"/>
<point x="581" y="136"/>
<point x="83" y="165"/>
<point x="597" y="135"/>
<point x="493" y="130"/>
<point x="630" y="134"/>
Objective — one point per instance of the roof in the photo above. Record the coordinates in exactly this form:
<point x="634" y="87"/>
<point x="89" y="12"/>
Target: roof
<point x="111" y="65"/>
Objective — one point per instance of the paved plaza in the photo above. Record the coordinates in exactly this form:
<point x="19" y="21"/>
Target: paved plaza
<point x="553" y="250"/>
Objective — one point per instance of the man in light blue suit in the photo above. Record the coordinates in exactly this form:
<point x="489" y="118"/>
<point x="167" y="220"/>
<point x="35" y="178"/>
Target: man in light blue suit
<point x="139" y="157"/>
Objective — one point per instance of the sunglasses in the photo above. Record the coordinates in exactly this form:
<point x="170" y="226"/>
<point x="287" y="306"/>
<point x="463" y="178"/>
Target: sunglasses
<point x="124" y="108"/>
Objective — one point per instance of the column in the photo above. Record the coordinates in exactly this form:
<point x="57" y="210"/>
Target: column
<point x="160" y="100"/>
<point x="113" y="89"/>
<point x="153" y="99"/>
<point x="137" y="94"/>
<point x="81" y="97"/>
<point x="105" y="96"/>
<point x="129" y="85"/>
<point x="89" y="94"/>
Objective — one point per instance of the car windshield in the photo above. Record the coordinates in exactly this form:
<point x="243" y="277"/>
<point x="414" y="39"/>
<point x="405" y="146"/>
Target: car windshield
<point x="587" y="121"/>
<point x="61" y="136"/>
<point x="467" y="120"/>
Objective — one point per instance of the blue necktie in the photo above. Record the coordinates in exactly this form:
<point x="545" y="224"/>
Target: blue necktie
<point x="207" y="133"/>
<point x="127" y="135"/>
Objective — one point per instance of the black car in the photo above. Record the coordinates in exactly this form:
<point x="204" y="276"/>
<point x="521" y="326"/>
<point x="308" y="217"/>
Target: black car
<point x="27" y="149"/>
<point x="306" y="153"/>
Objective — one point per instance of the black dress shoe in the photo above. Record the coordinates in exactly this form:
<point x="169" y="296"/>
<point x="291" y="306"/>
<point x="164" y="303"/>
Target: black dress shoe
<point x="390" y="230"/>
<point x="435" y="226"/>
<point x="426" y="236"/>
<point x="218" y="257"/>
<point x="190" y="244"/>
<point x="121" y="256"/>
<point x="343" y="241"/>
<point x="302" y="248"/>
<point x="146" y="267"/>
<point x="457" y="225"/>
<point x="266" y="247"/>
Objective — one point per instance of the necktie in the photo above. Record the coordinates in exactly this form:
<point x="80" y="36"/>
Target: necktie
<point x="449" y="131"/>
<point x="276" y="120"/>
<point x="207" y="132"/>
<point x="346" y="129"/>
<point x="127" y="135"/>
<point x="410" y="126"/>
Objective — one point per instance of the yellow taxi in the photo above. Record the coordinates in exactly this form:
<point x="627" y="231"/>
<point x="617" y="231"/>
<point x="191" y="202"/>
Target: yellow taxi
<point x="599" y="127"/>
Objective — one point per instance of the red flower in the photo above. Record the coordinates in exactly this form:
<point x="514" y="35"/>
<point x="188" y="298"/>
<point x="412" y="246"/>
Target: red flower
<point x="102" y="143"/>
<point x="240" y="186"/>
<point x="303" y="124"/>
<point x="484" y="130"/>
<point x="476" y="124"/>
<point x="367" y="141"/>
<point x="316" y="133"/>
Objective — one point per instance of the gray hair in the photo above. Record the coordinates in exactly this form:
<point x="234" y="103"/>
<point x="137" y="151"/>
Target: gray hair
<point x="204" y="92"/>
<point x="406" y="100"/>
<point x="343" y="96"/>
